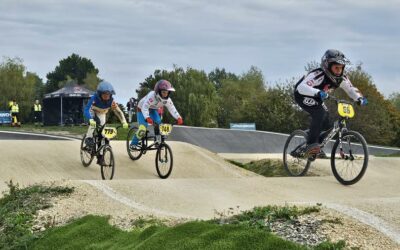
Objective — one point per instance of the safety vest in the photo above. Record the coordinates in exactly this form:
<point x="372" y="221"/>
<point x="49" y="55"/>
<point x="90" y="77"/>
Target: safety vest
<point x="37" y="107"/>
<point x="14" y="108"/>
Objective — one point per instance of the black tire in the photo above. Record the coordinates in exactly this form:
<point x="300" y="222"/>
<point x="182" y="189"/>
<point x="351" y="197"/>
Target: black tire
<point x="355" y="164"/>
<point x="108" y="164"/>
<point x="136" y="152"/>
<point x="164" y="161"/>
<point x="86" y="156"/>
<point x="295" y="163"/>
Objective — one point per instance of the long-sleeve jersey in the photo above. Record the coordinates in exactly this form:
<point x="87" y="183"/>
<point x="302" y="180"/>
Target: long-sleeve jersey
<point x="152" y="101"/>
<point x="316" y="80"/>
<point x="96" y="105"/>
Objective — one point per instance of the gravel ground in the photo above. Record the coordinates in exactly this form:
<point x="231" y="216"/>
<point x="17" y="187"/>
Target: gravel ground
<point x="309" y="229"/>
<point x="328" y="224"/>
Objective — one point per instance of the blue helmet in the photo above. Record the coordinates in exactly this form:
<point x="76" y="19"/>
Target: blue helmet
<point x="105" y="87"/>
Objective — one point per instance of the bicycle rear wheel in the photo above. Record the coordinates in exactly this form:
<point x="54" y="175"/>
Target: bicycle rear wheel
<point x="86" y="153"/>
<point x="134" y="152"/>
<point x="294" y="160"/>
<point x="108" y="164"/>
<point x="164" y="161"/>
<point x="349" y="159"/>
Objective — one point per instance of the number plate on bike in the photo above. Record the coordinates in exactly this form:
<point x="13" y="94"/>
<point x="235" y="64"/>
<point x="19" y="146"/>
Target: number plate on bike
<point x="165" y="129"/>
<point x="346" y="110"/>
<point x="109" y="132"/>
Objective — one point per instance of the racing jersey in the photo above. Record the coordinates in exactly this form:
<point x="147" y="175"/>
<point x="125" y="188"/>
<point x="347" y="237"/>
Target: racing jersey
<point x="152" y="101"/>
<point x="309" y="85"/>
<point x="96" y="105"/>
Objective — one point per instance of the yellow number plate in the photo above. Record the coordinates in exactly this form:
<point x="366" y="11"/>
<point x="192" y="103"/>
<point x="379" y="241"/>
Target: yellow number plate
<point x="346" y="110"/>
<point x="109" y="132"/>
<point x="165" y="129"/>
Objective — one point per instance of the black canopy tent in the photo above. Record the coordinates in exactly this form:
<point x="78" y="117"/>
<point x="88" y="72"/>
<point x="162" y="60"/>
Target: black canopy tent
<point x="66" y="105"/>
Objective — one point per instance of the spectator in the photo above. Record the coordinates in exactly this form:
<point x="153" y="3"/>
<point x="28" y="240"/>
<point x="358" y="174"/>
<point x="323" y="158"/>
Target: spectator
<point x="15" y="114"/>
<point x="37" y="112"/>
<point x="131" y="106"/>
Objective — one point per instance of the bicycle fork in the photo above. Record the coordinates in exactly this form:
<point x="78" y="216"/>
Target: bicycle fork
<point x="341" y="152"/>
<point x="165" y="158"/>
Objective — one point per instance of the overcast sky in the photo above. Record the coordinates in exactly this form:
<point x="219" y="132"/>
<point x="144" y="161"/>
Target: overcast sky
<point x="127" y="40"/>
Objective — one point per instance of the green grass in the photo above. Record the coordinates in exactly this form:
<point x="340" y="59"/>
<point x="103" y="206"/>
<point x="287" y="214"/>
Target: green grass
<point x="73" y="130"/>
<point x="266" y="167"/>
<point x="388" y="155"/>
<point x="242" y="231"/>
<point x="65" y="130"/>
<point x="93" y="232"/>
<point x="261" y="217"/>
<point x="17" y="210"/>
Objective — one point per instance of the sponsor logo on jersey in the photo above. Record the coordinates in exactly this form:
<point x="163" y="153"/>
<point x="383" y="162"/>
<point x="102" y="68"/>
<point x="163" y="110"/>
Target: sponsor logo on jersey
<point x="309" y="101"/>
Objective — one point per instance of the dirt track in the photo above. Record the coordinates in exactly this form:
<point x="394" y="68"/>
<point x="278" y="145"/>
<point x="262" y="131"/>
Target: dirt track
<point x="202" y="182"/>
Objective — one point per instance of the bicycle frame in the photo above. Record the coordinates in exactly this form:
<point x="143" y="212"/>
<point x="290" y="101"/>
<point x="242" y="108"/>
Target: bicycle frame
<point x="154" y="145"/>
<point x="339" y="127"/>
<point x="99" y="141"/>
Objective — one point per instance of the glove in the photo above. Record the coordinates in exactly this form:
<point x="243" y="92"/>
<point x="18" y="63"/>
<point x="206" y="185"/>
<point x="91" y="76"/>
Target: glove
<point x="180" y="121"/>
<point x="149" y="121"/>
<point x="362" y="101"/>
<point x="92" y="123"/>
<point x="125" y="125"/>
<point x="323" y="95"/>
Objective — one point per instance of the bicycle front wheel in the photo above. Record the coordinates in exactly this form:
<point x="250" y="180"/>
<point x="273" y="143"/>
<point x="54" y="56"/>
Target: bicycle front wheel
<point x="134" y="152"/>
<point x="164" y="161"/>
<point x="86" y="153"/>
<point x="294" y="160"/>
<point x="108" y="164"/>
<point x="349" y="158"/>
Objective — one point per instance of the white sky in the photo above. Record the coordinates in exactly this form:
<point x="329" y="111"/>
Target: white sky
<point x="127" y="40"/>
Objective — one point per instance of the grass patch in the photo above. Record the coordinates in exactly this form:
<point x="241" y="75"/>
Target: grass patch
<point x="261" y="217"/>
<point x="94" y="232"/>
<point x="247" y="230"/>
<point x="64" y="130"/>
<point x="388" y="155"/>
<point x="266" y="167"/>
<point x="17" y="210"/>
<point x="73" y="130"/>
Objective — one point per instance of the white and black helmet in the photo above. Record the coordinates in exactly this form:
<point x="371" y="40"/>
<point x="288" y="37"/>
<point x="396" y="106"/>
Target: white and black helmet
<point x="333" y="56"/>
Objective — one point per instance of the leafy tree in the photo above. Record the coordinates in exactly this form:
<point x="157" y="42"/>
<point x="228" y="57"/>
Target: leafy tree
<point x="394" y="98"/>
<point x="276" y="110"/>
<point x="312" y="65"/>
<point x="379" y="121"/>
<point x="17" y="84"/>
<point x="75" y="67"/>
<point x="236" y="95"/>
<point x="218" y="75"/>
<point x="195" y="96"/>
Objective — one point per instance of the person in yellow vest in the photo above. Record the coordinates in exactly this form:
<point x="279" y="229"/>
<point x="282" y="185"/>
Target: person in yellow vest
<point x="15" y="114"/>
<point x="37" y="113"/>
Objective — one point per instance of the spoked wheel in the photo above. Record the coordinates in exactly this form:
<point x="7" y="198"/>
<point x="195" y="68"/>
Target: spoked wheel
<point x="164" y="161"/>
<point x="108" y="164"/>
<point x="294" y="160"/>
<point x="86" y="153"/>
<point x="349" y="159"/>
<point x="134" y="152"/>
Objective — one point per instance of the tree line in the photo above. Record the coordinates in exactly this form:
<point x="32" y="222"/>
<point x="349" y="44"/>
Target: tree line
<point x="217" y="98"/>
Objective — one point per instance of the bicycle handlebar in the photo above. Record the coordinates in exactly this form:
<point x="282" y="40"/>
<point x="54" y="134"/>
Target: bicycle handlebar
<point x="337" y="100"/>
